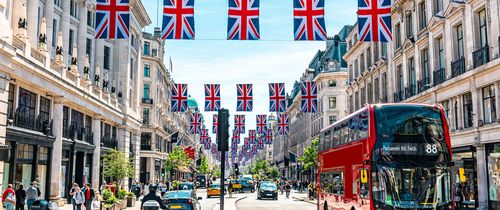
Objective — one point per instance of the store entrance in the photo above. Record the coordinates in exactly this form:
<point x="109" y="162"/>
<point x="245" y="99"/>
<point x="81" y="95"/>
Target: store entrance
<point x="465" y="177"/>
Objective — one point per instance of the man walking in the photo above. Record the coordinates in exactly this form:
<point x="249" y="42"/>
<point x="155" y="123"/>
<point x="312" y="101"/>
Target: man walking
<point x="31" y="195"/>
<point x="89" y="196"/>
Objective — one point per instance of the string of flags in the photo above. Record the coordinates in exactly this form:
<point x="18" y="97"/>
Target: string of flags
<point x="178" y="23"/>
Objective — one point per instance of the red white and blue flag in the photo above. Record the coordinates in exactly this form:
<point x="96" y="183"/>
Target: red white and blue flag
<point x="239" y="123"/>
<point x="112" y="19"/>
<point x="309" y="20"/>
<point x="269" y="137"/>
<point x="283" y="124"/>
<point x="244" y="101"/>
<point x="309" y="97"/>
<point x="179" y="98"/>
<point x="243" y="20"/>
<point x="195" y="123"/>
<point x="203" y="136"/>
<point x="246" y="141"/>
<point x="277" y="100"/>
<point x="207" y="143"/>
<point x="215" y="123"/>
<point x="261" y="123"/>
<point x="178" y="19"/>
<point x="252" y="137"/>
<point x="212" y="97"/>
<point x="374" y="20"/>
<point x="236" y="137"/>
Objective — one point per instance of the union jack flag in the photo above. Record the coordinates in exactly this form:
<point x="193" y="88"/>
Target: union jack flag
<point x="243" y="20"/>
<point x="269" y="137"/>
<point x="309" y="98"/>
<point x="112" y="19"/>
<point x="203" y="136"/>
<point x="283" y="124"/>
<point x="252" y="137"/>
<point x="260" y="145"/>
<point x="245" y="98"/>
<point x="179" y="97"/>
<point x="236" y="138"/>
<point x="212" y="97"/>
<point x="239" y="123"/>
<point x="195" y="122"/>
<point x="374" y="20"/>
<point x="178" y="19"/>
<point x="277" y="102"/>
<point x="246" y="142"/>
<point x="309" y="20"/>
<point x="261" y="123"/>
<point x="215" y="123"/>
<point x="254" y="149"/>
<point x="207" y="143"/>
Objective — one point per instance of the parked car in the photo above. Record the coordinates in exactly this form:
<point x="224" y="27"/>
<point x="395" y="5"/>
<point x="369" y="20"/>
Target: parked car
<point x="182" y="199"/>
<point x="186" y="186"/>
<point x="267" y="190"/>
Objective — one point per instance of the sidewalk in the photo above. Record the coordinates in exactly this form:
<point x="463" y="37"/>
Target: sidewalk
<point x="230" y="203"/>
<point x="302" y="196"/>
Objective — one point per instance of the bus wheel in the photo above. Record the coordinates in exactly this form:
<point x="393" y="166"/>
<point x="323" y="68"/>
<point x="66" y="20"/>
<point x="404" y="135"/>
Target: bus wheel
<point x="325" y="206"/>
<point x="352" y="208"/>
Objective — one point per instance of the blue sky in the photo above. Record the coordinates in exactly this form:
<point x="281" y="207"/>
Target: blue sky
<point x="275" y="58"/>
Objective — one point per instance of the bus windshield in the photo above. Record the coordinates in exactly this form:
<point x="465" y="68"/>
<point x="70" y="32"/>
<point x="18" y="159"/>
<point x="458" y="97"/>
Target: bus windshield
<point x="411" y="187"/>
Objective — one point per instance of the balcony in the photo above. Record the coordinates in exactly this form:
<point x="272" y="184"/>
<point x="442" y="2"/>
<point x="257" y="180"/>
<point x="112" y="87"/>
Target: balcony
<point x="384" y="100"/>
<point x="398" y="96"/>
<point x="424" y="84"/>
<point x="146" y="147"/>
<point x="439" y="76"/>
<point x="44" y="124"/>
<point x="410" y="91"/>
<point x="108" y="142"/>
<point x="24" y="118"/>
<point x="481" y="56"/>
<point x="88" y="136"/>
<point x="147" y="101"/>
<point x="457" y="67"/>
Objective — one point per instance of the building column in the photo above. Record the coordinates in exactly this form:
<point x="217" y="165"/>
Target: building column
<point x="49" y="18"/>
<point x="65" y="23"/>
<point x="96" y="158"/>
<point x="124" y="144"/>
<point x="82" y="38"/>
<point x="468" y="35"/>
<point x="476" y="108"/>
<point x="32" y="19"/>
<point x="56" y="158"/>
<point x="4" y="20"/>
<point x="4" y="95"/>
<point x="151" y="169"/>
<point x="460" y="112"/>
<point x="482" y="177"/>
<point x="136" y="150"/>
<point x="493" y="27"/>
<point x="451" y="113"/>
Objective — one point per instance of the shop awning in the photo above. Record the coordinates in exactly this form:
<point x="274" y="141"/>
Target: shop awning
<point x="184" y="169"/>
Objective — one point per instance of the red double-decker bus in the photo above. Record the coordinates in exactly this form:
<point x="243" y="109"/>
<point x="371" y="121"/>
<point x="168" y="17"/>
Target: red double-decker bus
<point x="386" y="156"/>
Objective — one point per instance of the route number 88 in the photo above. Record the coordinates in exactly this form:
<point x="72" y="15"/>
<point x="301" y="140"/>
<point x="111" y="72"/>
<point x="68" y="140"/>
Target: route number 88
<point x="431" y="148"/>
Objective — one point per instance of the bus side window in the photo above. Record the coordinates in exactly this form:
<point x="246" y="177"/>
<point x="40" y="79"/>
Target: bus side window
<point x="336" y="137"/>
<point x="345" y="133"/>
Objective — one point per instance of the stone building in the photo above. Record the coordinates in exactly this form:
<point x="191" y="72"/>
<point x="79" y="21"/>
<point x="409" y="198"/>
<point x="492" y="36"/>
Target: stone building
<point x="443" y="52"/>
<point x="67" y="98"/>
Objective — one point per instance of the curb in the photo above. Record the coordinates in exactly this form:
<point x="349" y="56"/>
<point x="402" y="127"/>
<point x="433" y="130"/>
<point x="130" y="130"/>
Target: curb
<point x="304" y="200"/>
<point x="236" y="201"/>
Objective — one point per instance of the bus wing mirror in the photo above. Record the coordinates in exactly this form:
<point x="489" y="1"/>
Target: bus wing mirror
<point x="364" y="176"/>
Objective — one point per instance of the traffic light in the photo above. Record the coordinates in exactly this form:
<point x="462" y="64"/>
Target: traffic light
<point x="236" y="169"/>
<point x="223" y="130"/>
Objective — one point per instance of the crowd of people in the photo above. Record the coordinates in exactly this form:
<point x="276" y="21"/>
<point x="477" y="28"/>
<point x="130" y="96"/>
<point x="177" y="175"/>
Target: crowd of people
<point x="19" y="198"/>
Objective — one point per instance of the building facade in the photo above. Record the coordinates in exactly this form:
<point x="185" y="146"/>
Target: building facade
<point x="443" y="52"/>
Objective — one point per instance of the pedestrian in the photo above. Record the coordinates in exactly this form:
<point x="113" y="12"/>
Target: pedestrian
<point x="288" y="188"/>
<point x="31" y="195"/>
<point x="230" y="188"/>
<point x="311" y="190"/>
<point x="39" y="193"/>
<point x="20" y="197"/>
<point x="151" y="196"/>
<point x="72" y="194"/>
<point x="146" y="188"/>
<point x="9" y="197"/>
<point x="137" y="191"/>
<point x="89" y="196"/>
<point x="78" y="198"/>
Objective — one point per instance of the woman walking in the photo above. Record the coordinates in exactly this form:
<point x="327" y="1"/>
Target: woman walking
<point x="9" y="197"/>
<point x="78" y="198"/>
<point x="20" y="197"/>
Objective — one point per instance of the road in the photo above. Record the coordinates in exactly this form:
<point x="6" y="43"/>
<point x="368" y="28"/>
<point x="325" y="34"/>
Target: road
<point x="206" y="203"/>
<point x="251" y="203"/>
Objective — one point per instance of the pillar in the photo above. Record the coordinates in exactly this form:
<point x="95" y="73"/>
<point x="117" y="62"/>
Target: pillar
<point x="476" y="108"/>
<point x="4" y="95"/>
<point x="57" y="128"/>
<point x="123" y="144"/>
<point x="96" y="158"/>
<point x="82" y="38"/>
<point x="482" y="177"/>
<point x="4" y="20"/>
<point x="32" y="19"/>
<point x="468" y="35"/>
<point x="49" y="17"/>
<point x="136" y="149"/>
<point x="65" y="23"/>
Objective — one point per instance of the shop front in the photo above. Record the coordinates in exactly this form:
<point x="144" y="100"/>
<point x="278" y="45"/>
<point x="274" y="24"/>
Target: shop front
<point x="493" y="160"/>
<point x="76" y="165"/>
<point x="465" y="176"/>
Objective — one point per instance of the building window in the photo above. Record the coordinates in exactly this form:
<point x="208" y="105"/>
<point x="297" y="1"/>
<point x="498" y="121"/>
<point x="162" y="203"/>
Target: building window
<point x="438" y="6"/>
<point x="73" y="8"/>
<point x="409" y="24"/>
<point x="370" y="93"/>
<point x="57" y="3"/>
<point x="145" y="141"/>
<point x="351" y="104"/>
<point x="44" y="112"/>
<point x="146" y="70"/>
<point x="412" y="78"/>
<point x="54" y="32"/>
<point x="356" y="101"/>
<point x="332" y="102"/>
<point x="483" y="28"/>
<point x="90" y="19"/>
<point x="107" y="57"/>
<point x="368" y="57"/>
<point x="76" y="124"/>
<point x="489" y="107"/>
<point x="332" y="83"/>
<point x="384" y="87"/>
<point x="88" y="129"/>
<point x="459" y="42"/>
<point x="71" y="41"/>
<point x="332" y="119"/>
<point x="65" y="122"/>
<point x="146" y="48"/>
<point x="88" y="48"/>
<point x="27" y="105"/>
<point x="423" y="15"/>
<point x="425" y="66"/>
<point x="356" y="68"/>
<point x="146" y="91"/>
<point x="363" y="96"/>
<point x="10" y="102"/>
<point x="440" y="54"/>
<point x="399" y="77"/>
<point x="145" y="116"/>
<point x="362" y="63"/>
<point x="467" y="106"/>
<point x="398" y="35"/>
<point x="384" y="50"/>
<point x="376" y="92"/>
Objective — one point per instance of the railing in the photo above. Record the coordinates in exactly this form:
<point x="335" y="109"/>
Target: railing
<point x="424" y="84"/>
<point x="410" y="91"/>
<point x="398" y="96"/>
<point x="481" y="56"/>
<point x="145" y="121"/>
<point x="88" y="136"/>
<point x="147" y="101"/>
<point x="108" y="142"/>
<point x="457" y="67"/>
<point x="439" y="76"/>
<point x="44" y="124"/>
<point x="23" y="119"/>
<point x="384" y="100"/>
<point x="146" y="147"/>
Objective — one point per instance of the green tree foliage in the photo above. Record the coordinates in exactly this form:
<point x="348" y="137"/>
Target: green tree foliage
<point x="274" y="172"/>
<point x="177" y="159"/>
<point x="310" y="157"/>
<point x="217" y="172"/>
<point x="204" y="168"/>
<point x="117" y="166"/>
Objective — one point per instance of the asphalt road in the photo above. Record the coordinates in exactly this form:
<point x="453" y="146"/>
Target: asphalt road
<point x="251" y="203"/>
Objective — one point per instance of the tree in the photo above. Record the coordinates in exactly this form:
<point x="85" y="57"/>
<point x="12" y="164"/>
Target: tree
<point x="204" y="168"/>
<point x="310" y="157"/>
<point x="274" y="172"/>
<point x="217" y="172"/>
<point x="117" y="166"/>
<point x="177" y="159"/>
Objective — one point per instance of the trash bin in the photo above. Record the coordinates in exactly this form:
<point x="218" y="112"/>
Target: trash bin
<point x="40" y="205"/>
<point x="151" y="205"/>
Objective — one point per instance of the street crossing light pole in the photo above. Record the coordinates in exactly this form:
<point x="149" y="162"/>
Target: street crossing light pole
<point x="222" y="146"/>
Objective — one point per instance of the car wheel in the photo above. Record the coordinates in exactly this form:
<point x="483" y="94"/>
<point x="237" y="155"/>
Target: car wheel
<point x="325" y="206"/>
<point x="208" y="196"/>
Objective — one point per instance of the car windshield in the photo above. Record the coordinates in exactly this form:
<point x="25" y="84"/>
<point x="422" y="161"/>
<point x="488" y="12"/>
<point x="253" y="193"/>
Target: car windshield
<point x="178" y="194"/>
<point x="411" y="187"/>
<point x="215" y="186"/>
<point x="267" y="185"/>
<point x="186" y="186"/>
